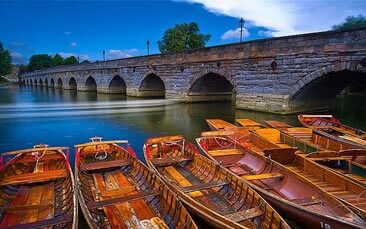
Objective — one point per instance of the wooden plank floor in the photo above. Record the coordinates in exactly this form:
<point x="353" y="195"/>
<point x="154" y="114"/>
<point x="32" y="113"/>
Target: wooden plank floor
<point x="121" y="215"/>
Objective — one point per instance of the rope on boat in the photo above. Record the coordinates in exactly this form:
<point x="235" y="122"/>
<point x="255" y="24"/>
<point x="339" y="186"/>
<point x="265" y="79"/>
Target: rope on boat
<point x="101" y="157"/>
<point x="177" y="144"/>
<point x="36" y="154"/>
<point x="359" y="196"/>
<point x="222" y="146"/>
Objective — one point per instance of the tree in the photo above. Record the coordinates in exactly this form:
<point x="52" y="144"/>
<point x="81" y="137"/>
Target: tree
<point x="5" y="61"/>
<point x="183" y="37"/>
<point x="85" y="62"/>
<point x="40" y="61"/>
<point x="70" y="60"/>
<point x="351" y="22"/>
<point x="57" y="60"/>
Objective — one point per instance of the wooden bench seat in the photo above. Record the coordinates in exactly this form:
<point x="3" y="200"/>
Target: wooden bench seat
<point x="39" y="207"/>
<point x="203" y="186"/>
<point x="224" y="152"/>
<point x="306" y="201"/>
<point x="43" y="223"/>
<point x="123" y="199"/>
<point x="262" y="176"/>
<point x="244" y="215"/>
<point x="30" y="178"/>
<point x="103" y="165"/>
<point x="172" y="160"/>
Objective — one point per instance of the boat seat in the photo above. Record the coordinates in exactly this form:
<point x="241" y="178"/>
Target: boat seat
<point x="62" y="219"/>
<point x="31" y="178"/>
<point x="172" y="160"/>
<point x="38" y="207"/>
<point x="245" y="215"/>
<point x="103" y="165"/>
<point x="306" y="201"/>
<point x="123" y="199"/>
<point x="262" y="176"/>
<point x="203" y="186"/>
<point x="225" y="152"/>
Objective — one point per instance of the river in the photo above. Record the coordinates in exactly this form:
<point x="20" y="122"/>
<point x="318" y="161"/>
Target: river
<point x="30" y="115"/>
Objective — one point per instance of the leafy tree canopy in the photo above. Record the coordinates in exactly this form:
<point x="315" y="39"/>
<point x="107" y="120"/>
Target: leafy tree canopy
<point x="183" y="37"/>
<point x="70" y="60"/>
<point x="5" y="61"/>
<point x="40" y="61"/>
<point x="351" y="22"/>
<point x="57" y="60"/>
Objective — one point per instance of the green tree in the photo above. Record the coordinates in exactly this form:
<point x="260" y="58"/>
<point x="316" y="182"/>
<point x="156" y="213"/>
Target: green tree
<point x="40" y="61"/>
<point x="57" y="60"/>
<point x="70" y="60"/>
<point x="183" y="37"/>
<point x="5" y="61"/>
<point x="351" y="22"/>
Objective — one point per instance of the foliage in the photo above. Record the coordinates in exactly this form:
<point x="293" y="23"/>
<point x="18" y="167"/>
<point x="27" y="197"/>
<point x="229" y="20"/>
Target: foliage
<point x="5" y="61"/>
<point x="183" y="37"/>
<point x="57" y="60"/>
<point x="351" y="22"/>
<point x="85" y="62"/>
<point x="23" y="68"/>
<point x="40" y="61"/>
<point x="70" y="60"/>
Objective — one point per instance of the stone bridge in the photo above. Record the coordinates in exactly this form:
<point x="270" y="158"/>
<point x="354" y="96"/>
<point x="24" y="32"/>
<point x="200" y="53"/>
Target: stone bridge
<point x="281" y="75"/>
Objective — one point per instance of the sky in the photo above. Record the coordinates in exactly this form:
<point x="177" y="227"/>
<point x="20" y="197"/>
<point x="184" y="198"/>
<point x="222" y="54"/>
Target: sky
<point x="120" y="27"/>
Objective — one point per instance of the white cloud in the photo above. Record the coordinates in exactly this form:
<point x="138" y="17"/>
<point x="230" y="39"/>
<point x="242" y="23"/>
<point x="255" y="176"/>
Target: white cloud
<point x="234" y="34"/>
<point x="131" y="51"/>
<point x="265" y="33"/>
<point x="118" y="54"/>
<point x="286" y="17"/>
<point x="83" y="57"/>
<point x="17" y="57"/>
<point x="65" y="55"/>
<point x="73" y="44"/>
<point x="67" y="33"/>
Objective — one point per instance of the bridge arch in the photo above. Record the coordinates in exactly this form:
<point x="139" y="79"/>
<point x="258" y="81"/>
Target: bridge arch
<point x="318" y="90"/>
<point x="59" y="83"/>
<point x="46" y="82"/>
<point x="211" y="86"/>
<point x="40" y="83"/>
<point x="117" y="85"/>
<point x="152" y="86"/>
<point x="72" y="84"/>
<point x="90" y="84"/>
<point x="35" y="82"/>
<point x="52" y="83"/>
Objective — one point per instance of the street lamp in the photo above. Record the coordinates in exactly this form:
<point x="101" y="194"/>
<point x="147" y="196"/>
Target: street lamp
<point x="148" y="47"/>
<point x="103" y="55"/>
<point x="241" y="23"/>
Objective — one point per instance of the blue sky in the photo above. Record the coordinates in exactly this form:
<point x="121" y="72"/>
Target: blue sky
<point x="121" y="28"/>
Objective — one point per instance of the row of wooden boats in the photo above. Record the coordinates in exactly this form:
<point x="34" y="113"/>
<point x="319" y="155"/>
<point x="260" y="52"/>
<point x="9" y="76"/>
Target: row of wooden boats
<point x="239" y="175"/>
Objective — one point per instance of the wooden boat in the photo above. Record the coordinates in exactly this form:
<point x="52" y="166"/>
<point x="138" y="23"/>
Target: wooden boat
<point x="117" y="191"/>
<point x="350" y="192"/>
<point x="219" y="198"/>
<point x="249" y="124"/>
<point x="348" y="162"/>
<point x="219" y="124"/>
<point x="37" y="189"/>
<point x="291" y="194"/>
<point x="330" y="127"/>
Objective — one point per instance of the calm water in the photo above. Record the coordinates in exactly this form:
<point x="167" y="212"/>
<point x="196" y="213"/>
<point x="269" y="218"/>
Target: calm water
<point x="30" y="116"/>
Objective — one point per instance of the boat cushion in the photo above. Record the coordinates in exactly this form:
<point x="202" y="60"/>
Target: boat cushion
<point x="30" y="178"/>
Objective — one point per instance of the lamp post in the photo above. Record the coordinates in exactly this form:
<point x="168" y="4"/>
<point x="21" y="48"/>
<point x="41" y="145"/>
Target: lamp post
<point x="103" y="55"/>
<point x="148" y="47"/>
<point x="241" y="23"/>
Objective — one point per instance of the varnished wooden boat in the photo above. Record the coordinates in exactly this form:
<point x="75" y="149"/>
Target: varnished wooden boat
<point x="291" y="194"/>
<point x="37" y="189"/>
<point x="330" y="127"/>
<point x="350" y="192"/>
<point x="348" y="162"/>
<point x="118" y="191"/>
<point x="249" y="124"/>
<point x="219" y="198"/>
<point x="219" y="124"/>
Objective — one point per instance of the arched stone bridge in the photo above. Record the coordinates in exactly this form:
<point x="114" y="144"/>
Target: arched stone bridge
<point x="281" y="75"/>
